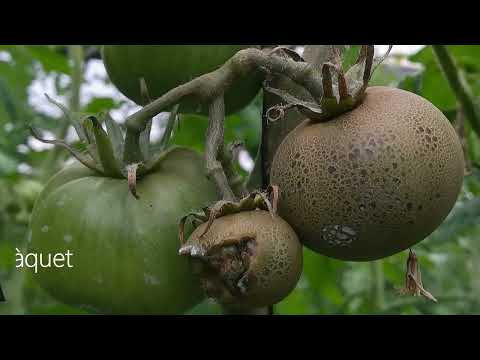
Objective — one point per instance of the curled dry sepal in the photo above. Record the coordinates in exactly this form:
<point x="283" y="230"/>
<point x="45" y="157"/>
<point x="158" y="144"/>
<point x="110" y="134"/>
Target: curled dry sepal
<point x="255" y="200"/>
<point x="104" y="150"/>
<point x="342" y="91"/>
<point x="413" y="279"/>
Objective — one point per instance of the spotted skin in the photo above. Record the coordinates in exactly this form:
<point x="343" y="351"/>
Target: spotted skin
<point x="389" y="171"/>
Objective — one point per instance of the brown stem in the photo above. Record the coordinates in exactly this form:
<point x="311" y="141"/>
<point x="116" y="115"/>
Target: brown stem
<point x="227" y="159"/>
<point x="273" y="133"/>
<point x="207" y="87"/>
<point x="214" y="145"/>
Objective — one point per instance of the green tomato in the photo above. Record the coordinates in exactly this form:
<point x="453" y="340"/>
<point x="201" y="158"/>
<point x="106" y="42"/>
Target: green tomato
<point x="165" y="67"/>
<point x="124" y="251"/>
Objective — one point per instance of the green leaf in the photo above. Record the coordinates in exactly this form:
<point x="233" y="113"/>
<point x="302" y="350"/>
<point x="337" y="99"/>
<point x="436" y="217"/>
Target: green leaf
<point x="394" y="270"/>
<point x="298" y="302"/>
<point x="466" y="56"/>
<point x="435" y="87"/>
<point x="472" y="182"/>
<point x="50" y="59"/>
<point x="100" y="104"/>
<point x="350" y="56"/>
<point x="386" y="76"/>
<point x="7" y="256"/>
<point x="8" y="101"/>
<point x="412" y="84"/>
<point x="323" y="275"/>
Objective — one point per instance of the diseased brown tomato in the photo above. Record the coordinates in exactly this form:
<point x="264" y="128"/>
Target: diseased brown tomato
<point x="373" y="181"/>
<point x="246" y="260"/>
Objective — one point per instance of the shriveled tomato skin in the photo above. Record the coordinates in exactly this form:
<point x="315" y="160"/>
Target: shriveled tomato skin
<point x="165" y="67"/>
<point x="124" y="251"/>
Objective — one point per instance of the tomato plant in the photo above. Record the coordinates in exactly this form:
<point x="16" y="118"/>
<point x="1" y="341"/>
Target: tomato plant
<point x="371" y="173"/>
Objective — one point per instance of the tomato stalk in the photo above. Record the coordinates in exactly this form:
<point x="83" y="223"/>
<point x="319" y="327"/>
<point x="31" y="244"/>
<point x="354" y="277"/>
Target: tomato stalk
<point x="227" y="158"/>
<point x="208" y="87"/>
<point x="214" y="143"/>
<point x="459" y="85"/>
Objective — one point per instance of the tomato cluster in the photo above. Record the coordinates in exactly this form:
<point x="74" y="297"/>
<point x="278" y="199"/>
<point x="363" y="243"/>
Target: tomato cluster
<point x="352" y="187"/>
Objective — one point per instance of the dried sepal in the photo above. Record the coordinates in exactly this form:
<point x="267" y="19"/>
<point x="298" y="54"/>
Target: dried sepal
<point x="327" y="82"/>
<point x="360" y="73"/>
<point x="341" y="93"/>
<point x="132" y="179"/>
<point x="310" y="109"/>
<point x="413" y="279"/>
<point x="320" y="54"/>
<point x="261" y="200"/>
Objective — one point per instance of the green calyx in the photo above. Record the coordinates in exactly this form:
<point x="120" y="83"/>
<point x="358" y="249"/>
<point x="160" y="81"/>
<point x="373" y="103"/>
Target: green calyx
<point x="108" y="150"/>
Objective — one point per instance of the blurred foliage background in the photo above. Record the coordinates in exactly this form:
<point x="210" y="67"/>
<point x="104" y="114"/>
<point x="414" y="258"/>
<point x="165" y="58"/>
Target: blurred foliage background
<point x="449" y="258"/>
